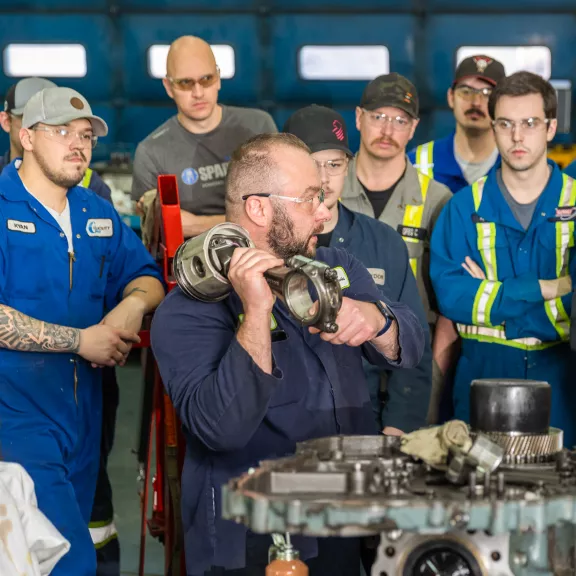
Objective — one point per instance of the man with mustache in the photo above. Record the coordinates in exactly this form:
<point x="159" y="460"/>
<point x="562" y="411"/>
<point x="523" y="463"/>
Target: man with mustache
<point x="503" y="258"/>
<point x="75" y="283"/>
<point x="197" y="142"/>
<point x="248" y="381"/>
<point x="102" y="527"/>
<point x="381" y="250"/>
<point x="467" y="154"/>
<point x="382" y="183"/>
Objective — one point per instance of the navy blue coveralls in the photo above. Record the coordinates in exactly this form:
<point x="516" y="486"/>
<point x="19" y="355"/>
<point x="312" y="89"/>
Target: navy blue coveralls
<point x="508" y="330"/>
<point x="571" y="170"/>
<point x="436" y="159"/>
<point x="50" y="403"/>
<point x="384" y="253"/>
<point x="234" y="415"/>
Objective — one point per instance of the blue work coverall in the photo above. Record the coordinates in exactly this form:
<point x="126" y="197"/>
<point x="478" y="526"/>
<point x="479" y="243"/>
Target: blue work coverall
<point x="436" y="159"/>
<point x="51" y="403"/>
<point x="383" y="251"/>
<point x="234" y="415"/>
<point x="507" y="329"/>
<point x="571" y="169"/>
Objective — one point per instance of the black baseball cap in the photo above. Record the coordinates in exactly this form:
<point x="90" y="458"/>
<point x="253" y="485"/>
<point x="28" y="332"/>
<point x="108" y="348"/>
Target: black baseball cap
<point x="392" y="90"/>
<point x="320" y="128"/>
<point x="482" y="67"/>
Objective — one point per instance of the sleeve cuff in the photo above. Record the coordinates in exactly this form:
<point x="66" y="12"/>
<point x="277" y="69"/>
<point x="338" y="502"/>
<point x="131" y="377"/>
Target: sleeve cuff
<point x="525" y="287"/>
<point x="238" y="351"/>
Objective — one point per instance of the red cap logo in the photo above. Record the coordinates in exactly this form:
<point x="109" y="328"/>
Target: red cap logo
<point x="338" y="130"/>
<point x="482" y="62"/>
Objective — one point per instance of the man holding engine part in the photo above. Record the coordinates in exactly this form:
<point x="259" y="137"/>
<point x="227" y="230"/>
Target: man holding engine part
<point x="249" y="381"/>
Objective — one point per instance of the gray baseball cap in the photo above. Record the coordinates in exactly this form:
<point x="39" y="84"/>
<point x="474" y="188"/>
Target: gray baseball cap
<point x="55" y="106"/>
<point x="19" y="94"/>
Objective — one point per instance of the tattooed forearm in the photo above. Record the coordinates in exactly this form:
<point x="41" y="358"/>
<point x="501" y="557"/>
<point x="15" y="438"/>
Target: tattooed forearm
<point x="21" y="332"/>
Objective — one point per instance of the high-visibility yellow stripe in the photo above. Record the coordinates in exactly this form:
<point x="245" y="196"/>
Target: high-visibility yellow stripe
<point x="87" y="177"/>
<point x="425" y="159"/>
<point x="483" y="302"/>
<point x="477" y="191"/>
<point x="413" y="216"/>
<point x="564" y="241"/>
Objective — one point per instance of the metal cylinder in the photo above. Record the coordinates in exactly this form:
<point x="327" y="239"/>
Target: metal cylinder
<point x="519" y="406"/>
<point x="197" y="268"/>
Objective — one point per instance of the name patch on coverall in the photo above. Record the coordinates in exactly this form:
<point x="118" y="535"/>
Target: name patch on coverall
<point x="378" y="275"/>
<point x="17" y="226"/>
<point x="101" y="227"/>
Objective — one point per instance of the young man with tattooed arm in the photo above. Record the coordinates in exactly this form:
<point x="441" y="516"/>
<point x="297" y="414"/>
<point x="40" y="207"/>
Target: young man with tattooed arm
<point x="65" y="259"/>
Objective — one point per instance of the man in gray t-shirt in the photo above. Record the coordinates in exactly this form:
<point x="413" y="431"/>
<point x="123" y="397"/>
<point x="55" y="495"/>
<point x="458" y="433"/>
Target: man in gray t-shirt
<point x="196" y="143"/>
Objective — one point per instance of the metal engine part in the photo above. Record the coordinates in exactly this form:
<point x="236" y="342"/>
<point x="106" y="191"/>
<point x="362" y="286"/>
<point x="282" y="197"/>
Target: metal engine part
<point x="364" y="485"/>
<point x="201" y="268"/>
<point x="515" y="414"/>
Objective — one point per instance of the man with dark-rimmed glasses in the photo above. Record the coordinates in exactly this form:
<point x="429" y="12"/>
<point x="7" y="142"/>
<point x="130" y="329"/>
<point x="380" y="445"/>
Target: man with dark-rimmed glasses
<point x="197" y="142"/>
<point x="468" y="153"/>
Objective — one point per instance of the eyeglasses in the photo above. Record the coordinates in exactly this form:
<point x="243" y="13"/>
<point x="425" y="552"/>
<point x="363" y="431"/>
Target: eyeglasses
<point x="65" y="136"/>
<point x="398" y="122"/>
<point x="188" y="84"/>
<point x="315" y="201"/>
<point x="468" y="93"/>
<point x="333" y="167"/>
<point x="503" y="125"/>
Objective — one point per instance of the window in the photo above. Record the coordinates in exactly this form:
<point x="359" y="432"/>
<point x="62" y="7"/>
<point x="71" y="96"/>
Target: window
<point x="224" y="54"/>
<point x="46" y="60"/>
<point x="537" y="59"/>
<point x="343" y="62"/>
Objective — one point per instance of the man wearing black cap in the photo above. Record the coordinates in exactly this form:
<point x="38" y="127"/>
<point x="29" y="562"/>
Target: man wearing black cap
<point x="467" y="154"/>
<point x="383" y="184"/>
<point x="383" y="253"/>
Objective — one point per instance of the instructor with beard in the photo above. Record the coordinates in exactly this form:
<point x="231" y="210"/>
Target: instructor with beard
<point x="248" y="382"/>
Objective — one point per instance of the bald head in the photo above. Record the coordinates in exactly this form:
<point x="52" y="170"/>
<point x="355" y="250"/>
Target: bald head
<point x="185" y="49"/>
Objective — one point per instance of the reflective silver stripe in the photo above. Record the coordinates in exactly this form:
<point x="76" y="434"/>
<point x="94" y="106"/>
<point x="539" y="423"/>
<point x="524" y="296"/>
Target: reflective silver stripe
<point x="424" y="159"/>
<point x="102" y="534"/>
<point x="484" y="298"/>
<point x="558" y="316"/>
<point x="497" y="334"/>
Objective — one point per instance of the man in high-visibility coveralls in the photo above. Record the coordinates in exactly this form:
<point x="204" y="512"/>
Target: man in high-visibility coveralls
<point x="503" y="256"/>
<point x="469" y="152"/>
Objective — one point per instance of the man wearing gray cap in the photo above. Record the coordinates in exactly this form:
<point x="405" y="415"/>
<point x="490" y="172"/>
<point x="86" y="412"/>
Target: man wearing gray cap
<point x="65" y="258"/>
<point x="102" y="526"/>
<point x="11" y="122"/>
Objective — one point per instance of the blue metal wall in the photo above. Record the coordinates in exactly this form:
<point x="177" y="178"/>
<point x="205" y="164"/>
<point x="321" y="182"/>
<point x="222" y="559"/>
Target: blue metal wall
<point x="422" y="37"/>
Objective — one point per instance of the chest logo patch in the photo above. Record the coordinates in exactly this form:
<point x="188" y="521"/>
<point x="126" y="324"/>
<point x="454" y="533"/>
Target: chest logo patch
<point x="100" y="227"/>
<point x="18" y="226"/>
<point x="378" y="275"/>
<point x="189" y="176"/>
<point x="342" y="278"/>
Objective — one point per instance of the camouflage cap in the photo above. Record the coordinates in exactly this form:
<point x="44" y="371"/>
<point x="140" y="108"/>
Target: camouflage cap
<point x="391" y="90"/>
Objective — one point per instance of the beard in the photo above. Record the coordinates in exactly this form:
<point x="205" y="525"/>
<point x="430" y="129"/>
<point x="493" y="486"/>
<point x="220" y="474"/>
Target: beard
<point x="61" y="178"/>
<point x="282" y="240"/>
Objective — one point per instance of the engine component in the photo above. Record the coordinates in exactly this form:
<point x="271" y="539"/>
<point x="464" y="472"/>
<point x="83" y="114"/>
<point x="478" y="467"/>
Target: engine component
<point x="515" y="414"/>
<point x="518" y="521"/>
<point x="201" y="269"/>
<point x="510" y="406"/>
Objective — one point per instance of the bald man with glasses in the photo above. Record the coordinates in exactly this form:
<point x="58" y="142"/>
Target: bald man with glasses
<point x="196" y="143"/>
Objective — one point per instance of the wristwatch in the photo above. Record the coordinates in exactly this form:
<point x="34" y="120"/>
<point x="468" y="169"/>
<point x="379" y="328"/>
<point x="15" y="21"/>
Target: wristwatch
<point x="385" y="311"/>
